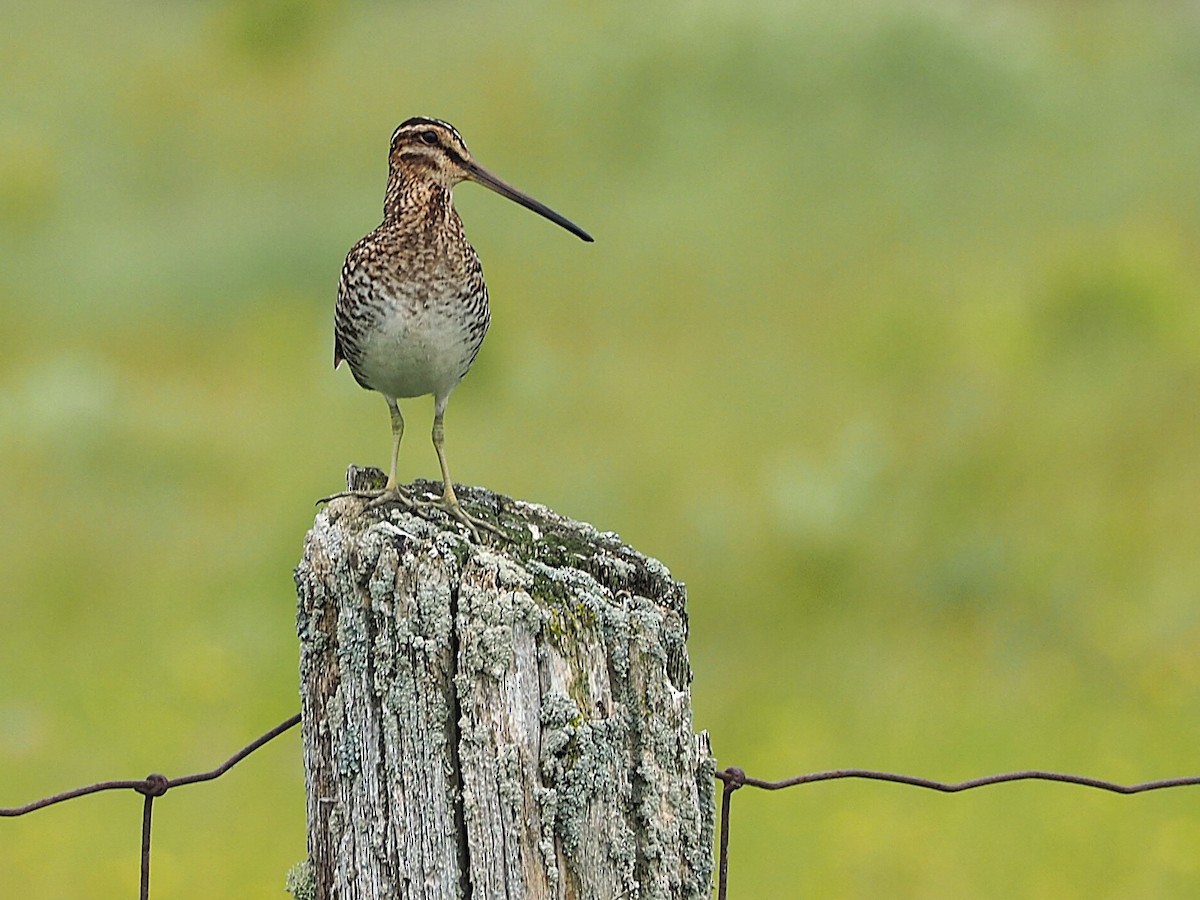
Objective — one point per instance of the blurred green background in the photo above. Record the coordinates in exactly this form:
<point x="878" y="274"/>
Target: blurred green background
<point x="888" y="346"/>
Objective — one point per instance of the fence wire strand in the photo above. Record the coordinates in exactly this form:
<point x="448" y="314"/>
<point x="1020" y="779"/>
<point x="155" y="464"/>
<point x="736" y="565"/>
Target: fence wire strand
<point x="152" y="786"/>
<point x="732" y="778"/>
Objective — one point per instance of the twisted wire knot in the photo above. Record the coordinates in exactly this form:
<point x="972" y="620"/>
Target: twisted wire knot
<point x="155" y="785"/>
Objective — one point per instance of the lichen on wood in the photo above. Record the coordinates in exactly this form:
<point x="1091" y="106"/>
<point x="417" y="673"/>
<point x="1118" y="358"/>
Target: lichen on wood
<point x="505" y="720"/>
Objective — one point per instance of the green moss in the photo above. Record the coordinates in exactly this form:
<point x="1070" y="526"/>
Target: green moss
<point x="300" y="883"/>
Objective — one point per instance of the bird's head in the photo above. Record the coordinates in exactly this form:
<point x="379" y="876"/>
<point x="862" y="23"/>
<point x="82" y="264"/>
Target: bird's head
<point x="432" y="150"/>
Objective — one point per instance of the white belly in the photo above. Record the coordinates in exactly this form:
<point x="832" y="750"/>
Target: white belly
<point x="418" y="350"/>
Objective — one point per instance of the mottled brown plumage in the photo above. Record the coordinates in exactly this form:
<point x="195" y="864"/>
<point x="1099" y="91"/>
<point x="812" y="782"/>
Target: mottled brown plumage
<point x="412" y="307"/>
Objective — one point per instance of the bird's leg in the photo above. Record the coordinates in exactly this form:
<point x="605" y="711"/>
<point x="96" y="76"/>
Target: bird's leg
<point x="449" y="501"/>
<point x="391" y="492"/>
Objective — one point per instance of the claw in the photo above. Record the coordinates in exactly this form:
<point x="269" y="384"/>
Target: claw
<point x="447" y="504"/>
<point x="377" y="498"/>
<point x="454" y="509"/>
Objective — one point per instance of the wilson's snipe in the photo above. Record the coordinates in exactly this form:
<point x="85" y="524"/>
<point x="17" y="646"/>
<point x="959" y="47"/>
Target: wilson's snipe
<point x="412" y="308"/>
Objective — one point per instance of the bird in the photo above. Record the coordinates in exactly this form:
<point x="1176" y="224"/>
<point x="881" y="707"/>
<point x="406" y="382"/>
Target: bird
<point x="412" y="305"/>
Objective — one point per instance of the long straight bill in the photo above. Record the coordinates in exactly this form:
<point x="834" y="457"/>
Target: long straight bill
<point x="480" y="175"/>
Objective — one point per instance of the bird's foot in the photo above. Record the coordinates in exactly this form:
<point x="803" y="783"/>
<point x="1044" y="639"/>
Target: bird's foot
<point x="453" y="508"/>
<point x="377" y="498"/>
<point x="473" y="524"/>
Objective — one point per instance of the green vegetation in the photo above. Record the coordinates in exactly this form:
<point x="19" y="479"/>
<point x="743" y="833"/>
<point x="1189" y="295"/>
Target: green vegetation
<point x="889" y="346"/>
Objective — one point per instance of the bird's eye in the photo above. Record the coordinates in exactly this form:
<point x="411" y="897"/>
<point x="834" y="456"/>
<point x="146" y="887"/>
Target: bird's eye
<point x="429" y="137"/>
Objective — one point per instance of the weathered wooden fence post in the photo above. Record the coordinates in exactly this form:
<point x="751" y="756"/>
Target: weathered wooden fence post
<point x="503" y="721"/>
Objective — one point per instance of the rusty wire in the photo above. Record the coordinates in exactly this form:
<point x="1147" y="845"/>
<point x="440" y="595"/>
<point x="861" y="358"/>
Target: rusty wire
<point x="734" y="778"/>
<point x="153" y="785"/>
